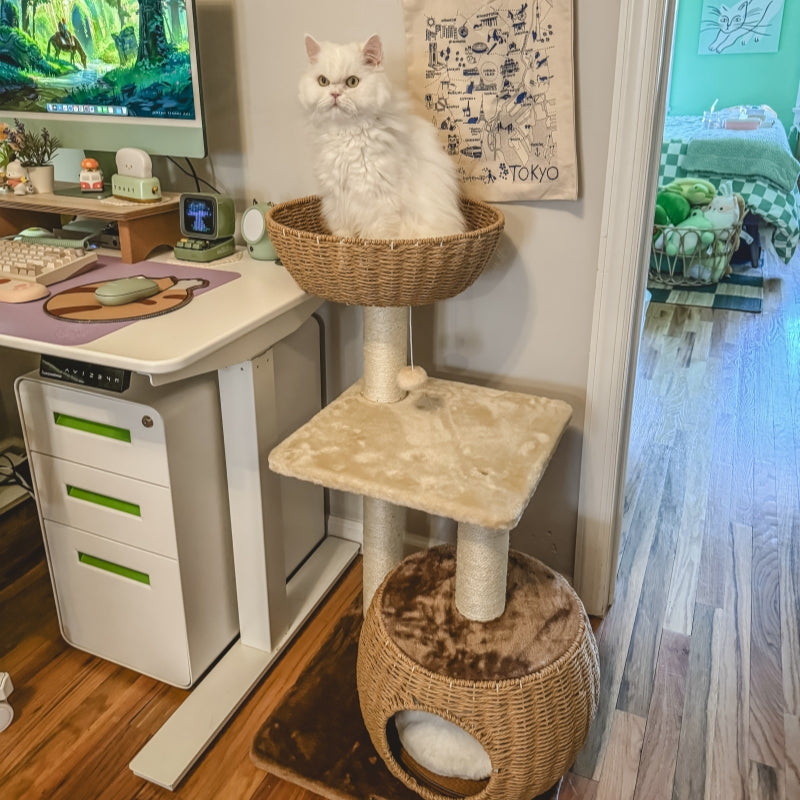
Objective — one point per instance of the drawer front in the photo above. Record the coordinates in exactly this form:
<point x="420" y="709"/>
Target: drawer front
<point x="122" y="509"/>
<point x="104" y="432"/>
<point x="120" y="603"/>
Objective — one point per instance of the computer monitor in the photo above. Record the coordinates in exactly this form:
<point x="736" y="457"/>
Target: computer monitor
<point x="126" y="76"/>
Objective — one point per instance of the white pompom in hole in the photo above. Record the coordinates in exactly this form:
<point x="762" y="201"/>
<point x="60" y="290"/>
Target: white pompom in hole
<point x="411" y="378"/>
<point x="441" y="746"/>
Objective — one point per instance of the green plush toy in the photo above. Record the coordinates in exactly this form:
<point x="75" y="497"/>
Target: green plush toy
<point x="697" y="191"/>
<point x="695" y="230"/>
<point x="671" y="208"/>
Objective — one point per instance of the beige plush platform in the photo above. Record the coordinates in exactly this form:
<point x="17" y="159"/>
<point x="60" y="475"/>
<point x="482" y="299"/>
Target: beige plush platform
<point x="465" y="452"/>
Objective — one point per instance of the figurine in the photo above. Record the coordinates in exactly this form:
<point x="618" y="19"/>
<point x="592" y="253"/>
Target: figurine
<point x="15" y="174"/>
<point x="91" y="177"/>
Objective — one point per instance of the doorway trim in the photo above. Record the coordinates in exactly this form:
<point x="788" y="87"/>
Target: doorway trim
<point x="637" y="118"/>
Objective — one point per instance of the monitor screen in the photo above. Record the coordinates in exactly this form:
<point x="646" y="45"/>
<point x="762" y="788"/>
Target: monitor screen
<point x="106" y="75"/>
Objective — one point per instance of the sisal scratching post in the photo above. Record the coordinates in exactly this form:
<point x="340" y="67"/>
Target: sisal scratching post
<point x="481" y="570"/>
<point x="384" y="524"/>
<point x="385" y="353"/>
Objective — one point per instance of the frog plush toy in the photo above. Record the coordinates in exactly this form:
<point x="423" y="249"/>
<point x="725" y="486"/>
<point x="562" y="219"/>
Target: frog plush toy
<point x="696" y="230"/>
<point x="697" y="191"/>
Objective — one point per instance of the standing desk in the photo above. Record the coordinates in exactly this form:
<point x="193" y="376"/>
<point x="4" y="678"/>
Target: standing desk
<point x="230" y="330"/>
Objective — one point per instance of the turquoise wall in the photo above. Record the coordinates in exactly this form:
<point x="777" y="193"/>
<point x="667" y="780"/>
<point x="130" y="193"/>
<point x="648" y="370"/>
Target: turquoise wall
<point x="735" y="79"/>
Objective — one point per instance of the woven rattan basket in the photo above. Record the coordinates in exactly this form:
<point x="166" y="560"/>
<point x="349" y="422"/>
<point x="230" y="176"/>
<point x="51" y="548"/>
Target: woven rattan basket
<point x="531" y="726"/>
<point x="379" y="272"/>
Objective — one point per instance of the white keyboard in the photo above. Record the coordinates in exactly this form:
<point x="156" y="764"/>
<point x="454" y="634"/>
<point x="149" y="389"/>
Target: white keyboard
<point x="43" y="263"/>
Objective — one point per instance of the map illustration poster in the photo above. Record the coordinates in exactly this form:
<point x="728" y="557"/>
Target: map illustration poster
<point x="496" y="80"/>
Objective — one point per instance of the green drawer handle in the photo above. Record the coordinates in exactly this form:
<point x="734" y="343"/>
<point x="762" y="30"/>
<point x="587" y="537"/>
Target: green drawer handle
<point x="88" y="426"/>
<point x="117" y="569"/>
<point x="104" y="500"/>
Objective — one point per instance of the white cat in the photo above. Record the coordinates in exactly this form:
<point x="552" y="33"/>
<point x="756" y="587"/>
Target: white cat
<point x="382" y="172"/>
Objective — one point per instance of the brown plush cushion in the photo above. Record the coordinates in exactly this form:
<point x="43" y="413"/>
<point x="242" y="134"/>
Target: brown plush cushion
<point x="541" y="620"/>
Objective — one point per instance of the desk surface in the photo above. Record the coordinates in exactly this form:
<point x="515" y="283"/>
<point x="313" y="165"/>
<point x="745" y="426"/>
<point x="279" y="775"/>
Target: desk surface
<point x="219" y="328"/>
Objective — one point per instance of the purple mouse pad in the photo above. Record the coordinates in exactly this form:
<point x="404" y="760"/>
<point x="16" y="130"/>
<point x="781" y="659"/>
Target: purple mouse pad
<point x="32" y="321"/>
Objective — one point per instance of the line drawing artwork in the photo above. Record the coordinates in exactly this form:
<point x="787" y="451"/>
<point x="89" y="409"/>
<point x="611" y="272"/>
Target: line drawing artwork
<point x="489" y="89"/>
<point x="744" y="26"/>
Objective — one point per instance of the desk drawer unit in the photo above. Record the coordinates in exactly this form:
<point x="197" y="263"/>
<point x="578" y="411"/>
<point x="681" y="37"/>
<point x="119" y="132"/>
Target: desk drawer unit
<point x="126" y="510"/>
<point x="133" y="503"/>
<point x="96" y="428"/>
<point x="120" y="600"/>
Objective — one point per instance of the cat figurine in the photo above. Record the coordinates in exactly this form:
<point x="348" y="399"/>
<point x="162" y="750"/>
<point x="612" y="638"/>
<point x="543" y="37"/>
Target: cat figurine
<point x="382" y="171"/>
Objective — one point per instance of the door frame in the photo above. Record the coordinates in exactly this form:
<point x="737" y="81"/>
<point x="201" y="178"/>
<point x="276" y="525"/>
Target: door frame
<point x="644" y="44"/>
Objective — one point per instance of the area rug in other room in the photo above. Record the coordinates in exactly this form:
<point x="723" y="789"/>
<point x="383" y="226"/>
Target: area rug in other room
<point x="316" y="738"/>
<point x="739" y="291"/>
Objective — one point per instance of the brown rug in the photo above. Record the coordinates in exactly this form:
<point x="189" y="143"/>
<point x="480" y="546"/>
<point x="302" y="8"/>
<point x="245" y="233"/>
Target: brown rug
<point x="316" y="738"/>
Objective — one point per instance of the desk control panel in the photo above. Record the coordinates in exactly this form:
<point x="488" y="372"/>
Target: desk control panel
<point x="95" y="376"/>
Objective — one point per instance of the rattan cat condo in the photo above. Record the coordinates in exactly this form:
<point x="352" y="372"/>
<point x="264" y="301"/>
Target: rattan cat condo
<point x="468" y="453"/>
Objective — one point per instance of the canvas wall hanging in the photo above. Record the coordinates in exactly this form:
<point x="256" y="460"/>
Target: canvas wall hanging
<point x="496" y="79"/>
<point x="740" y="27"/>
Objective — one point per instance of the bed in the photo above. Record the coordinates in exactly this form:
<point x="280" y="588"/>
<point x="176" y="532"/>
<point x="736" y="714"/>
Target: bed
<point x="759" y="163"/>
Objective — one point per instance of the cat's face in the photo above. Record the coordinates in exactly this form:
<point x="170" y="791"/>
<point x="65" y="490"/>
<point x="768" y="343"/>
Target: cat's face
<point x="344" y="81"/>
<point x="732" y="17"/>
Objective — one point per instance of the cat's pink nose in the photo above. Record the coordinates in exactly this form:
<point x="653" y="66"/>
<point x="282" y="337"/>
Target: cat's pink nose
<point x="336" y="95"/>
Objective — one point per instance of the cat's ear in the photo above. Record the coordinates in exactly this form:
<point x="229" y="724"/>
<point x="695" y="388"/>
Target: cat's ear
<point x="373" y="51"/>
<point x="312" y="48"/>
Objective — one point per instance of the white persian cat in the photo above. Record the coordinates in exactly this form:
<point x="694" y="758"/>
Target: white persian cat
<point x="382" y="171"/>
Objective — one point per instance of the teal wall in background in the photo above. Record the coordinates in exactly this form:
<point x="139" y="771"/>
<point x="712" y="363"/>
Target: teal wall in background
<point x="770" y="78"/>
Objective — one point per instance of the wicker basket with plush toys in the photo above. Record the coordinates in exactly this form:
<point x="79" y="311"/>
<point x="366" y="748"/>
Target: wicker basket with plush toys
<point x="695" y="233"/>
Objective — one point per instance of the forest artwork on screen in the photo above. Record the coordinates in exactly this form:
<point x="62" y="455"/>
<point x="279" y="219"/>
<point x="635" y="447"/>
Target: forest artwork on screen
<point x="98" y="57"/>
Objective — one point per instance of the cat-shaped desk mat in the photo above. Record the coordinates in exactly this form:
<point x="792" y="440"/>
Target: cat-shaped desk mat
<point x="47" y="320"/>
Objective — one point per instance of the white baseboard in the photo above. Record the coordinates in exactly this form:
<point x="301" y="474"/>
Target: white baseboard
<point x="353" y="531"/>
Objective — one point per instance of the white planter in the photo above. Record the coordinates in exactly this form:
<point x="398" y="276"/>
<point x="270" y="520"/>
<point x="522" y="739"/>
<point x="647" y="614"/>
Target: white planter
<point x="42" y="178"/>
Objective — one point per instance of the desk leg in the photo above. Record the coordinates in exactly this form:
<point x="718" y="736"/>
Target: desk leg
<point x="271" y="610"/>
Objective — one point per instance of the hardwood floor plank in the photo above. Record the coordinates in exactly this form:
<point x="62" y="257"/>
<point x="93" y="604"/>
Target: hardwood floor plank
<point x="621" y="760"/>
<point x="660" y="746"/>
<point x="766" y="692"/>
<point x="575" y="787"/>
<point x="791" y="731"/>
<point x="614" y="634"/>
<point x="790" y="615"/>
<point x="689" y="544"/>
<point x="636" y="687"/>
<point x="728" y="765"/>
<point x="699" y="707"/>
<point x="764" y="783"/>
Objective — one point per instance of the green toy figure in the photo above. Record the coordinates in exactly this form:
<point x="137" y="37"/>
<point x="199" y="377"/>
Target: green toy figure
<point x="695" y="230"/>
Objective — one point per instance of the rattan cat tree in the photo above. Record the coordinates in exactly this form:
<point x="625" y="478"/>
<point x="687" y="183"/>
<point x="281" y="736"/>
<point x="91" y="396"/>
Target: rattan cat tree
<point x="469" y="453"/>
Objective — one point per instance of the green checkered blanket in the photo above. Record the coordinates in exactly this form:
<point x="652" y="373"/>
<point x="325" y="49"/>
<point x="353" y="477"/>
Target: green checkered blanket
<point x="778" y="208"/>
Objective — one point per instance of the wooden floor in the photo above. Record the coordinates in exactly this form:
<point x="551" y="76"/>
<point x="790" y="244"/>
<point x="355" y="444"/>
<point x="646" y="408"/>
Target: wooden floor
<point x="700" y="652"/>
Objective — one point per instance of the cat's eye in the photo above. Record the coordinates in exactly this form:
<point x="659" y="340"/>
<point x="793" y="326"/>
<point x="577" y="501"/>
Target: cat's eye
<point x="351" y="82"/>
<point x="323" y="81"/>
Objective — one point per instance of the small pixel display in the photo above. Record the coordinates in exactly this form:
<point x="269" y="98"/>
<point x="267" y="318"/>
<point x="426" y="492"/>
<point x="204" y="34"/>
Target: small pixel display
<point x="199" y="217"/>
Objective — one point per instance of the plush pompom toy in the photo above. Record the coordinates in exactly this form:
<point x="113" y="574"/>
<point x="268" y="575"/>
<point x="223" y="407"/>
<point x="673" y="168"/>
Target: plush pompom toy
<point x="411" y="378"/>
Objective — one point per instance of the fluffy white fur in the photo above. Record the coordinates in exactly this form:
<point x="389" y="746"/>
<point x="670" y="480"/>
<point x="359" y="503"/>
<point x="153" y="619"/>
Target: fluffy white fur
<point x="441" y="746"/>
<point x="382" y="171"/>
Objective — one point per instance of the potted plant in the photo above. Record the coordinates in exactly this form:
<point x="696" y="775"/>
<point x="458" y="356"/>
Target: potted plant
<point x="35" y="151"/>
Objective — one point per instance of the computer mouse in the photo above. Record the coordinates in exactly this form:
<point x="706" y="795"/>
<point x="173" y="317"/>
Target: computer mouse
<point x="125" y="290"/>
<point x="34" y="233"/>
<point x="14" y="291"/>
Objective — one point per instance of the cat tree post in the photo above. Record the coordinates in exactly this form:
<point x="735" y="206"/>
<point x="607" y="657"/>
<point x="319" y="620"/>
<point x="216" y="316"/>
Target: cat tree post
<point x="385" y="353"/>
<point x="482" y="556"/>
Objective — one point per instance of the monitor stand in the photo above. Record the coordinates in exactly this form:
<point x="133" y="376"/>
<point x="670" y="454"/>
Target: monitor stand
<point x="142" y="226"/>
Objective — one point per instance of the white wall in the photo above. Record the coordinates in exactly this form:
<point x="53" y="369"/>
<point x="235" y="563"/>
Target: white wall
<point x="525" y="324"/>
